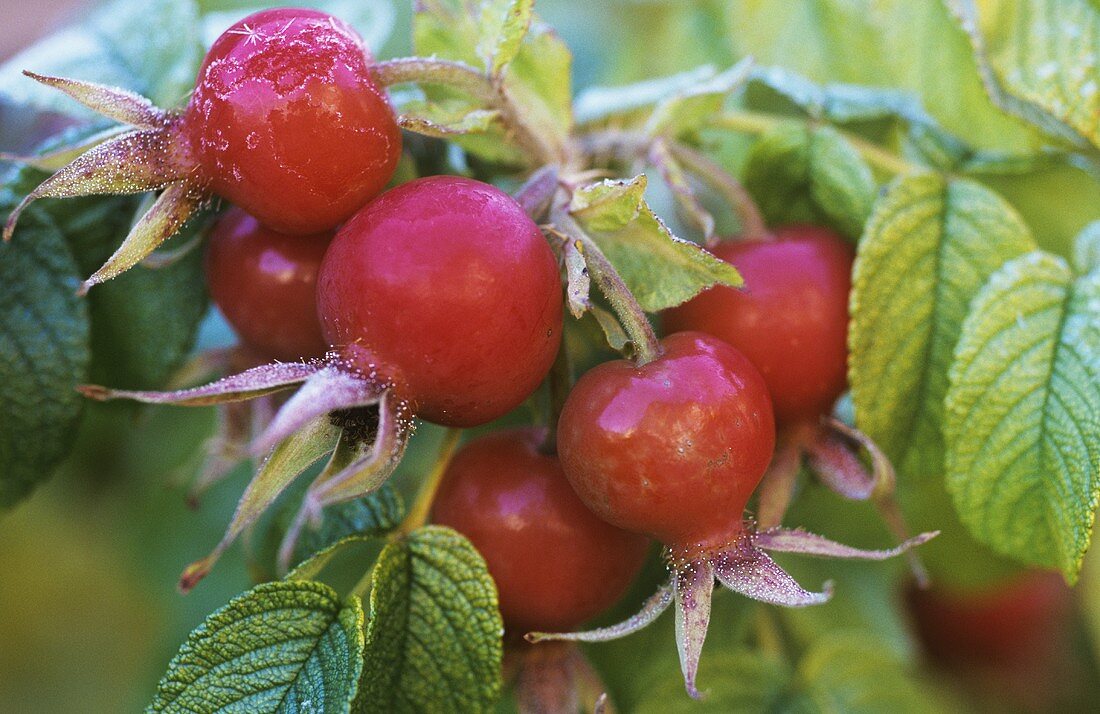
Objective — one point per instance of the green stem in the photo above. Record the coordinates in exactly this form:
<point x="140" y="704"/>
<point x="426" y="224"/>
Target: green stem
<point x="426" y="70"/>
<point x="561" y="382"/>
<point x="463" y="77"/>
<point x="734" y="193"/>
<point x="633" y="318"/>
<point x="422" y="507"/>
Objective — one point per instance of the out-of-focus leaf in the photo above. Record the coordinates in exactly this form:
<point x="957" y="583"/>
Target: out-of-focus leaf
<point x="803" y="174"/>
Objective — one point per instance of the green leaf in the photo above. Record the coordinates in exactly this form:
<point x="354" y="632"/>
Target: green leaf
<point x="740" y="681"/>
<point x="659" y="268"/>
<point x="434" y="633"/>
<point x="909" y="46"/>
<point x="1038" y="60"/>
<point x="597" y="104"/>
<point x="44" y="352"/>
<point x="280" y="647"/>
<point x="150" y="47"/>
<point x="144" y="322"/>
<point x="810" y="174"/>
<point x="688" y="109"/>
<point x="1086" y="248"/>
<point x="929" y="246"/>
<point x="851" y="672"/>
<point x="503" y="25"/>
<point x="1022" y="420"/>
<point x="537" y="77"/>
<point x="477" y="130"/>
<point x="369" y="516"/>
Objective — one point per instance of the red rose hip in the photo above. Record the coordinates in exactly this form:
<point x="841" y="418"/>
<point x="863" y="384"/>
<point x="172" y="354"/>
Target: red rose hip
<point x="791" y="318"/>
<point x="445" y="288"/>
<point x="554" y="562"/>
<point x="673" y="448"/>
<point x="288" y="122"/>
<point x="265" y="283"/>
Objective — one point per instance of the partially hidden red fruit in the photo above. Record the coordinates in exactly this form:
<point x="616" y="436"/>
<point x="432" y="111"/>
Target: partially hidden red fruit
<point x="265" y="284"/>
<point x="445" y="288"/>
<point x="674" y="448"/>
<point x="555" y="564"/>
<point x="1017" y="621"/>
<point x="791" y="318"/>
<point x="287" y="121"/>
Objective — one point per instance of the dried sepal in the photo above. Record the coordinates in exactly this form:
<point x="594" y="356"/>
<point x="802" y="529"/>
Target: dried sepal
<point x="57" y="159"/>
<point x="657" y="603"/>
<point x="326" y="390"/>
<point x="178" y="203"/>
<point x="251" y="383"/>
<point x="286" y="462"/>
<point x="134" y="162"/>
<point x="694" y="586"/>
<point x="785" y="540"/>
<point x="114" y="103"/>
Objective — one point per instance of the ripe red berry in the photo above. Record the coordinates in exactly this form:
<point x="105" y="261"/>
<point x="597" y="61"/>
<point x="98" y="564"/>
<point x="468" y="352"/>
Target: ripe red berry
<point x="1017" y="621"/>
<point x="287" y="121"/>
<point x="555" y="564"/>
<point x="791" y="318"/>
<point x="673" y="448"/>
<point x="445" y="288"/>
<point x="265" y="283"/>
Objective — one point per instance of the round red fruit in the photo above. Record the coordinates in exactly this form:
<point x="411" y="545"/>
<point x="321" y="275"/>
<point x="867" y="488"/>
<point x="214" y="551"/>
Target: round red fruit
<point x="555" y="564"/>
<point x="791" y="318"/>
<point x="672" y="448"/>
<point x="445" y="288"/>
<point x="287" y="121"/>
<point x="265" y="284"/>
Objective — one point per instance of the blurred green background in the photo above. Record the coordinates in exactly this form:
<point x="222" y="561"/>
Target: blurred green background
<point x="89" y="611"/>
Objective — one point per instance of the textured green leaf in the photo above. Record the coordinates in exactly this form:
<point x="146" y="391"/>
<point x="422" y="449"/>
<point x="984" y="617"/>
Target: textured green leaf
<point x="44" y="352"/>
<point x="690" y="108"/>
<point x="810" y="174"/>
<point x="659" y="268"/>
<point x="149" y="46"/>
<point x="929" y="247"/>
<point x="1022" y="420"/>
<point x="434" y="633"/>
<point x="373" y="515"/>
<point x="144" y="322"/>
<point x="1039" y="61"/>
<point x="851" y="672"/>
<point x="740" y="681"/>
<point x="596" y="104"/>
<point x="280" y="647"/>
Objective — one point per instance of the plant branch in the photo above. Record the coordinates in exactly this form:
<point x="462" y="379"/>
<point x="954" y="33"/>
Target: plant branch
<point x="723" y="183"/>
<point x="426" y="70"/>
<point x="627" y="309"/>
<point x="421" y="508"/>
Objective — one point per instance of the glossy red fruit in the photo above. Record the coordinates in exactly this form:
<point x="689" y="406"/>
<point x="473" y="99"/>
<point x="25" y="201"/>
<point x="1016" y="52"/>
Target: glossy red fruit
<point x="555" y="564"/>
<point x="1016" y="621"/>
<point x="673" y="448"/>
<point x="265" y="284"/>
<point x="444" y="287"/>
<point x="791" y="318"/>
<point x="287" y="121"/>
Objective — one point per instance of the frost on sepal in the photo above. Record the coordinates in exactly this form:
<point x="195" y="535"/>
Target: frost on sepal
<point x="172" y="209"/>
<point x="741" y="566"/>
<point x="114" y="103"/>
<point x="134" y="162"/>
<point x="254" y="382"/>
